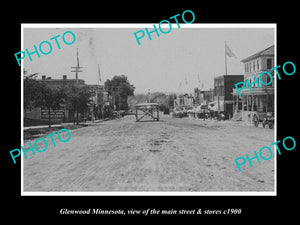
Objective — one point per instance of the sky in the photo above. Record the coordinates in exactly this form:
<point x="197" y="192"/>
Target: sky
<point x="176" y="62"/>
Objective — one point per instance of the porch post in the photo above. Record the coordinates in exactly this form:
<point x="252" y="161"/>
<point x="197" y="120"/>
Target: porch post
<point x="247" y="96"/>
<point x="233" y="104"/>
<point x="242" y="107"/>
<point x="267" y="103"/>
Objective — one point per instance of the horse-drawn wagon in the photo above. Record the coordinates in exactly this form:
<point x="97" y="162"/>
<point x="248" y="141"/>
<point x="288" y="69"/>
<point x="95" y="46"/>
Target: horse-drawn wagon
<point x="265" y="118"/>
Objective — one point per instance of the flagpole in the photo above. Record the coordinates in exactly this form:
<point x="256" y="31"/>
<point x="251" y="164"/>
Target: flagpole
<point x="225" y="59"/>
<point x="99" y="76"/>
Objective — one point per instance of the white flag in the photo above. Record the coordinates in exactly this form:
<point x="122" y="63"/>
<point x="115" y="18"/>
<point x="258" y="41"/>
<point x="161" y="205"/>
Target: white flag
<point x="228" y="51"/>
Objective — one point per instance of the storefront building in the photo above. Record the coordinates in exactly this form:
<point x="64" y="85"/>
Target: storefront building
<point x="260" y="98"/>
<point x="223" y="93"/>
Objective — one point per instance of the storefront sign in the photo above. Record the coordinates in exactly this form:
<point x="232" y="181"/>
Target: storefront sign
<point x="54" y="114"/>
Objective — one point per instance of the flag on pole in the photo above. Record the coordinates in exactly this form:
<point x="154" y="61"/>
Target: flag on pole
<point x="228" y="51"/>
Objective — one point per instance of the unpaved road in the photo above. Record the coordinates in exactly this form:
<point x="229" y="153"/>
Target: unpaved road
<point x="170" y="155"/>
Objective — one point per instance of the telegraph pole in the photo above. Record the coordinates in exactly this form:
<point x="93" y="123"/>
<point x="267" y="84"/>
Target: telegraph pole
<point x="76" y="75"/>
<point x="76" y="68"/>
<point x="148" y="96"/>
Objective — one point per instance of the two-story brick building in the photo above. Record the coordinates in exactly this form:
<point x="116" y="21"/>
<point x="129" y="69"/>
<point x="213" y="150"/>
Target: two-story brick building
<point x="223" y="93"/>
<point x="259" y="99"/>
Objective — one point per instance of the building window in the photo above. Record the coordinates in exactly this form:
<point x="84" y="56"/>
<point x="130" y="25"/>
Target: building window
<point x="269" y="63"/>
<point x="257" y="65"/>
<point x="267" y="78"/>
<point x="245" y="67"/>
<point x="253" y="65"/>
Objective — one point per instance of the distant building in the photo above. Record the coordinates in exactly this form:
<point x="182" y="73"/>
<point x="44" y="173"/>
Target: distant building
<point x="223" y="93"/>
<point x="59" y="82"/>
<point x="259" y="99"/>
<point x="184" y="100"/>
<point x="203" y="96"/>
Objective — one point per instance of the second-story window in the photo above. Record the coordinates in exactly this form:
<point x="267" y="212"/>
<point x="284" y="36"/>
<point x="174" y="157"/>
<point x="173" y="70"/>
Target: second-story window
<point x="257" y="65"/>
<point x="269" y="63"/>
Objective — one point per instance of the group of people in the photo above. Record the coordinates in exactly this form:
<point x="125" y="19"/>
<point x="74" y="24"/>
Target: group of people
<point x="207" y="115"/>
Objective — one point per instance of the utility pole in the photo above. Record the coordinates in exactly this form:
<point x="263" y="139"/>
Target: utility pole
<point x="76" y="68"/>
<point x="76" y="75"/>
<point x="148" y="96"/>
<point x="119" y="98"/>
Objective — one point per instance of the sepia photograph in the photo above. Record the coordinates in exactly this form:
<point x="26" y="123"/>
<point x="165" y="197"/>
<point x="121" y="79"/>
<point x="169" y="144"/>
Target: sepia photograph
<point x="144" y="109"/>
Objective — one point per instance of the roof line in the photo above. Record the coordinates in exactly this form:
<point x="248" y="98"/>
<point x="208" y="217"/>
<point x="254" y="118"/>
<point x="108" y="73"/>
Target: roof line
<point x="257" y="54"/>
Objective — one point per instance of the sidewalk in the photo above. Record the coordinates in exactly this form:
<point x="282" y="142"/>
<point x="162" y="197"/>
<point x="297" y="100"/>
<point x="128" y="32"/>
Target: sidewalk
<point x="63" y="124"/>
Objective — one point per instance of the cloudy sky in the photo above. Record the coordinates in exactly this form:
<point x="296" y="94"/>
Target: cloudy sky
<point x="184" y="56"/>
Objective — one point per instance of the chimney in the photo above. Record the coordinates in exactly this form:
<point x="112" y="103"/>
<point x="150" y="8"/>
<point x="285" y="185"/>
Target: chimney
<point x="64" y="77"/>
<point x="44" y="77"/>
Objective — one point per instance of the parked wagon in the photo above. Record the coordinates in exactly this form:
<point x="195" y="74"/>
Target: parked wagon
<point x="202" y="112"/>
<point x="177" y="112"/>
<point x="148" y="109"/>
<point x="265" y="118"/>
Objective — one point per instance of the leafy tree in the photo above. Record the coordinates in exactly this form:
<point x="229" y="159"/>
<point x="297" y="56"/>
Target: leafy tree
<point x="164" y="101"/>
<point x="49" y="98"/>
<point x="31" y="90"/>
<point x="120" y="88"/>
<point x="171" y="98"/>
<point x="79" y="97"/>
<point x="38" y="94"/>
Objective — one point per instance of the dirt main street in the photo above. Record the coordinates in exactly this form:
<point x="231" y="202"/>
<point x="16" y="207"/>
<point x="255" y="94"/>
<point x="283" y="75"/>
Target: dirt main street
<point x="169" y="155"/>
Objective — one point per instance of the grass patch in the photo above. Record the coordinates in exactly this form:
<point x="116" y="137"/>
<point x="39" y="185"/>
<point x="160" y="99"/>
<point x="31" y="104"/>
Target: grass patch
<point x="40" y="132"/>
